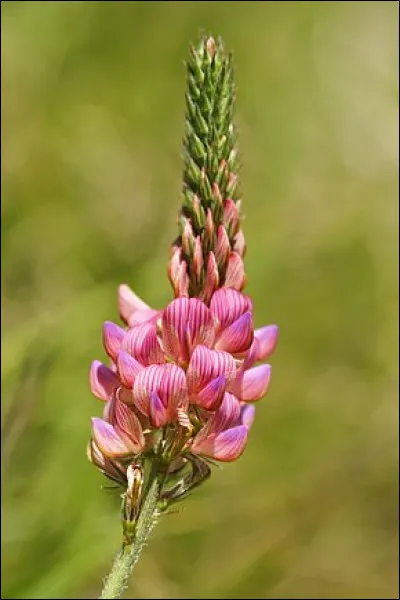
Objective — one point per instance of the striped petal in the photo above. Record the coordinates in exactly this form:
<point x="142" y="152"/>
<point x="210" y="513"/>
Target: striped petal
<point x="235" y="276"/>
<point x="168" y="381"/>
<point x="103" y="381"/>
<point x="112" y="338"/>
<point x="142" y="343"/>
<point x="206" y="364"/>
<point x="224" y="446"/>
<point x="227" y="415"/>
<point x="211" y="395"/>
<point x="238" y="337"/>
<point x="186" y="323"/>
<point x="247" y="414"/>
<point x="251" y="385"/>
<point x="128" y="368"/>
<point x="227" y="305"/>
<point x="157" y="411"/>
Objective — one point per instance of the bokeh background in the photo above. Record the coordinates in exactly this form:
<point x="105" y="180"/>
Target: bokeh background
<point x="92" y="121"/>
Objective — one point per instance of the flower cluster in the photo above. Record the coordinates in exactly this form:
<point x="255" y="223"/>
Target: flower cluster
<point x="187" y="372"/>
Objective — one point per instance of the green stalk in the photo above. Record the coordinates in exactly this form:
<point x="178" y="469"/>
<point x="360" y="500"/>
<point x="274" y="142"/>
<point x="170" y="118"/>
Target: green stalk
<point x="116" y="582"/>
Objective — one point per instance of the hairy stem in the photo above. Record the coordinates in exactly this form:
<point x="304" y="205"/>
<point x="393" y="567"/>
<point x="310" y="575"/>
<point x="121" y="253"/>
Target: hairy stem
<point x="124" y="563"/>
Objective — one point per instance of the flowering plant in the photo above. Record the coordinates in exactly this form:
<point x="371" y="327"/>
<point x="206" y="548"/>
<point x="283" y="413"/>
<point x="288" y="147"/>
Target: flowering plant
<point x="179" y="389"/>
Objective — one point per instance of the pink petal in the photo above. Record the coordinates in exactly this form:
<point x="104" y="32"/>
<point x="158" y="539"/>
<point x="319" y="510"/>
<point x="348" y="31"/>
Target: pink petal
<point x="127" y="425"/>
<point x="236" y="338"/>
<point x="102" y="380"/>
<point x="112" y="338"/>
<point x="168" y="381"/>
<point x="230" y="217"/>
<point x="198" y="261"/>
<point x="186" y="323"/>
<point x="222" y="248"/>
<point x="227" y="415"/>
<point x="225" y="446"/>
<point x="235" y="276"/>
<point x="157" y="410"/>
<point x="247" y="414"/>
<point x="206" y="364"/>
<point x="212" y="278"/>
<point x="142" y="343"/>
<point x="211" y="395"/>
<point x="227" y="305"/>
<point x="251" y="385"/>
<point x="109" y="441"/>
<point x="267" y="338"/>
<point x="240" y="243"/>
<point x="129" y="303"/>
<point x="128" y="368"/>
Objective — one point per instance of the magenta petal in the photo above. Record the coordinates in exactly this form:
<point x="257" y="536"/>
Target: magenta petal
<point x="102" y="380"/>
<point x="252" y="384"/>
<point x="211" y="395"/>
<point x="207" y="364"/>
<point x="186" y="322"/>
<point x="267" y="338"/>
<point x="227" y="305"/>
<point x="225" y="446"/>
<point x="227" y="415"/>
<point x="128" y="368"/>
<point x="168" y="381"/>
<point x="112" y="338"/>
<point x="142" y="343"/>
<point x="129" y="303"/>
<point x="157" y="410"/>
<point x="109" y="441"/>
<point x="247" y="414"/>
<point x="236" y="338"/>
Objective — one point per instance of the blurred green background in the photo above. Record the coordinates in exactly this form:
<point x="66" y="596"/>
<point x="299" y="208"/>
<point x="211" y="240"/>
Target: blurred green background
<point x="92" y="121"/>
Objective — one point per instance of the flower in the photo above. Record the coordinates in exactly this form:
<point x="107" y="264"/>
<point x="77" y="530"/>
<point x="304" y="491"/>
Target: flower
<point x="188" y="369"/>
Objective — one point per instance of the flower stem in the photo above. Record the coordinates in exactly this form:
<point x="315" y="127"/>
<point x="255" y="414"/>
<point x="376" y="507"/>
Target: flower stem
<point x="116" y="582"/>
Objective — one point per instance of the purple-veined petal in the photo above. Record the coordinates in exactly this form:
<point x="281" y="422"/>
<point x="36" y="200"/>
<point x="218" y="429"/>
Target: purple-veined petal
<point x="211" y="395"/>
<point x="240" y="243"/>
<point x="235" y="276"/>
<point x="168" y="381"/>
<point x="186" y="322"/>
<point x="112" y="338"/>
<point x="224" y="446"/>
<point x="251" y="385"/>
<point x="238" y="337"/>
<point x="227" y="305"/>
<point x="222" y="248"/>
<point x="212" y="278"/>
<point x="227" y="415"/>
<point x="127" y="424"/>
<point x="103" y="381"/>
<point x="206" y="364"/>
<point x="128" y="368"/>
<point x="142" y="343"/>
<point x="157" y="410"/>
<point x="109" y="441"/>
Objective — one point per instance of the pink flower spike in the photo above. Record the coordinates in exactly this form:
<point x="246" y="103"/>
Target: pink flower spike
<point x="103" y="381"/>
<point x="186" y="323"/>
<point x="128" y="368"/>
<point x="112" y="338"/>
<point x="227" y="305"/>
<point x="238" y="337"/>
<point x="129" y="303"/>
<point x="251" y="385"/>
<point x="235" y="276"/>
<point x="109" y="441"/>
<point x="267" y="338"/>
<point x="225" y="446"/>
<point x="142" y="343"/>
<point x="211" y="395"/>
<point x="157" y="410"/>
